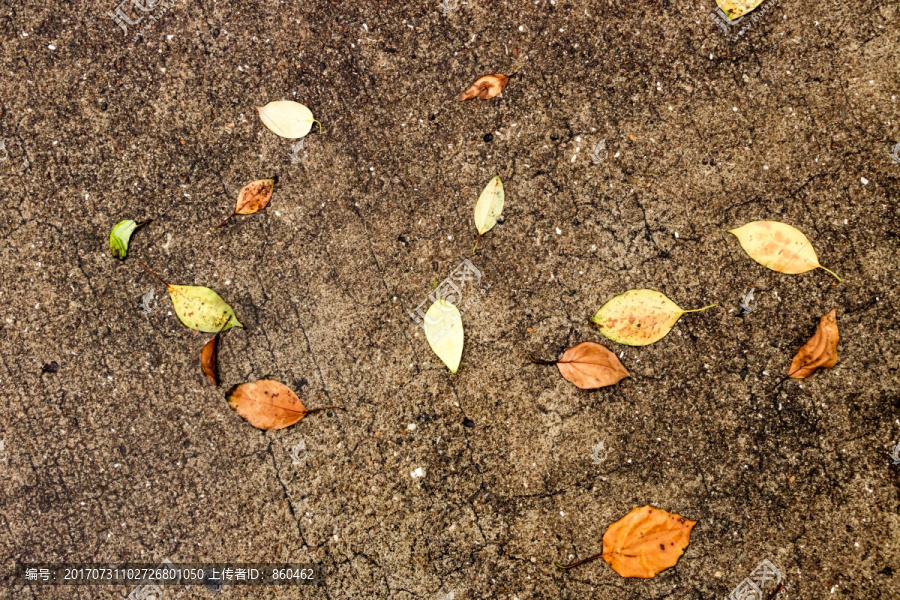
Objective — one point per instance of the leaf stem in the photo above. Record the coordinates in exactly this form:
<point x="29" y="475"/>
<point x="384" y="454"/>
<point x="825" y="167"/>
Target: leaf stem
<point x="476" y="243"/>
<point x="832" y="273"/>
<point x="780" y="383"/>
<point x="320" y="126"/>
<point x="321" y="408"/>
<point x="538" y="361"/>
<point x="158" y="278"/>
<point x="223" y="222"/>
<point x="697" y="309"/>
<point x="775" y="592"/>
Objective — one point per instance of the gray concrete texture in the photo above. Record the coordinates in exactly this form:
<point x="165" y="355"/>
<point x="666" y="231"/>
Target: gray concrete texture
<point x="126" y="452"/>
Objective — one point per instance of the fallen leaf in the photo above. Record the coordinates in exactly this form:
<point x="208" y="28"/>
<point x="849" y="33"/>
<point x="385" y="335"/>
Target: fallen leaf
<point x="253" y="198"/>
<point x="779" y="247"/>
<point x="287" y="118"/>
<point x="444" y="332"/>
<point x="591" y="366"/>
<point x="199" y="307"/>
<point x="266" y="404"/>
<point x="208" y="360"/>
<point x="734" y="9"/>
<point x="120" y="236"/>
<point x="486" y="87"/>
<point x="820" y="351"/>
<point x="489" y="207"/>
<point x="639" y="317"/>
<point x="644" y="542"/>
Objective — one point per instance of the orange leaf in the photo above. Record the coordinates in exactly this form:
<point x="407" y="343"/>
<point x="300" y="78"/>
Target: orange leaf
<point x="646" y="541"/>
<point x="208" y="360"/>
<point x="486" y="87"/>
<point x="820" y="351"/>
<point x="254" y="196"/>
<point x="591" y="366"/>
<point x="266" y="404"/>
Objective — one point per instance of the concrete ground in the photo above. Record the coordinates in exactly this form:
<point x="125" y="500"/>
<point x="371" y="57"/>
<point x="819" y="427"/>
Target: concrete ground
<point x="116" y="448"/>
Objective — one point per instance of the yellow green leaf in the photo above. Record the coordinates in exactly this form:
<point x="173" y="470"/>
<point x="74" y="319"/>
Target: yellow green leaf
<point x="201" y="308"/>
<point x="779" y="247"/>
<point x="489" y="206"/>
<point x="287" y="118"/>
<point x="444" y="332"/>
<point x="639" y="317"/>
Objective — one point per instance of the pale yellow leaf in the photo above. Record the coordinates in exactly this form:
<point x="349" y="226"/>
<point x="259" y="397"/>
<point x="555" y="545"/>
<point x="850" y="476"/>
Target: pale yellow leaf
<point x="779" y="247"/>
<point x="287" y="118"/>
<point x="639" y="317"/>
<point x="444" y="331"/>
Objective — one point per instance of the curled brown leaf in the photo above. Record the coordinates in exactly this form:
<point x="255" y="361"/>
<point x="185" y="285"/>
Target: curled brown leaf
<point x="208" y="360"/>
<point x="820" y="351"/>
<point x="590" y="366"/>
<point x="486" y="87"/>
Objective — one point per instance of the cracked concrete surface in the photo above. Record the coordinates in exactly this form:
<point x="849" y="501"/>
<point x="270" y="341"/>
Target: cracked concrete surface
<point x="126" y="453"/>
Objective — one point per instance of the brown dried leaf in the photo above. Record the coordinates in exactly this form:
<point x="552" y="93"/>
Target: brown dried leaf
<point x="486" y="87"/>
<point x="643" y="543"/>
<point x="254" y="196"/>
<point x="820" y="351"/>
<point x="208" y="360"/>
<point x="646" y="541"/>
<point x="591" y="366"/>
<point x="266" y="404"/>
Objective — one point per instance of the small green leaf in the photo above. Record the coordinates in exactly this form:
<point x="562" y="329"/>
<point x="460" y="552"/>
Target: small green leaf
<point x="120" y="236"/>
<point x="444" y="331"/>
<point x="287" y="118"/>
<point x="202" y="309"/>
